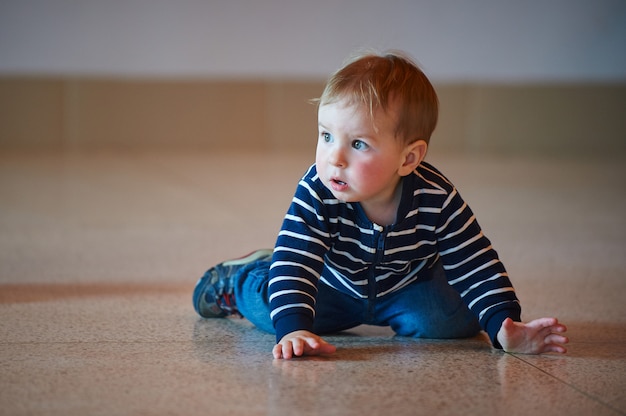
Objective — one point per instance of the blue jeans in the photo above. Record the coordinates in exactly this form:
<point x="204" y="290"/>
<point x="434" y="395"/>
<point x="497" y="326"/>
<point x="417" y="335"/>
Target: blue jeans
<point x="424" y="309"/>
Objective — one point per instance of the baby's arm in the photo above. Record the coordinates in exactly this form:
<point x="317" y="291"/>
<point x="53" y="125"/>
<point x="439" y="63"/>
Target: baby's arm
<point x="298" y="343"/>
<point x="535" y="337"/>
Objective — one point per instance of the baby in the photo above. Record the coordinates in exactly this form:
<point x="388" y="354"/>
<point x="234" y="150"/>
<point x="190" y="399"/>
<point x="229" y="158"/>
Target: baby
<point x="375" y="235"/>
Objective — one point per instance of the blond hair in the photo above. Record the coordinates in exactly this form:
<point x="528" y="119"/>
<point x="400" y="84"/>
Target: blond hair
<point x="383" y="81"/>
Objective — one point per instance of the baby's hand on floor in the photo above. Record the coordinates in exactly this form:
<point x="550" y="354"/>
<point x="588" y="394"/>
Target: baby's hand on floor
<point x="535" y="337"/>
<point x="299" y="343"/>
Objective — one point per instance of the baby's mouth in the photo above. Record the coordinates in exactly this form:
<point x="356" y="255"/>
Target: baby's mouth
<point x="338" y="185"/>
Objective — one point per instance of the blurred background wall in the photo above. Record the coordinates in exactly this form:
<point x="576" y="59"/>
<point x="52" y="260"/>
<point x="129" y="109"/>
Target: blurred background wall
<point x="537" y="76"/>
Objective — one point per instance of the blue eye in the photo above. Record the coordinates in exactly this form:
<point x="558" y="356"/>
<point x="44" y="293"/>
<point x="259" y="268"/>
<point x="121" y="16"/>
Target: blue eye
<point x="359" y="145"/>
<point x="326" y="137"/>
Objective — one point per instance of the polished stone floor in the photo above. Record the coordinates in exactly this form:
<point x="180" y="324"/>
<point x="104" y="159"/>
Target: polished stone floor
<point x="99" y="253"/>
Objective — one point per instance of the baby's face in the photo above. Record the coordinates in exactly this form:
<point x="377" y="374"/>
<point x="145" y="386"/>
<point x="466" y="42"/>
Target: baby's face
<point x="358" y="155"/>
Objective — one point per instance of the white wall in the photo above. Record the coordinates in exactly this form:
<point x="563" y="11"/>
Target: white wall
<point x="454" y="40"/>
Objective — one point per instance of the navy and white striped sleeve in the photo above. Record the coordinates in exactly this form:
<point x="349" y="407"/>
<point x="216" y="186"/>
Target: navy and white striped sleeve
<point x="473" y="267"/>
<point x="298" y="261"/>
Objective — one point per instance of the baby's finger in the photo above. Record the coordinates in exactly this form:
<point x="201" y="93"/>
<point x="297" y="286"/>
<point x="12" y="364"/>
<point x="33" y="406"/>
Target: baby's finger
<point x="297" y="345"/>
<point x="543" y="323"/>
<point x="556" y="339"/>
<point x="554" y="348"/>
<point x="277" y="351"/>
<point x="287" y="350"/>
<point x="311" y="343"/>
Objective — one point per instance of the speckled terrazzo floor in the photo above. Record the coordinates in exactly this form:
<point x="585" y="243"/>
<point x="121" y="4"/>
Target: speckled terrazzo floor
<point x="99" y="253"/>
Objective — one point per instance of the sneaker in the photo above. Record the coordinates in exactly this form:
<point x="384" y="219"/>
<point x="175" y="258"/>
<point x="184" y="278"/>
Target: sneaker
<point x="214" y="295"/>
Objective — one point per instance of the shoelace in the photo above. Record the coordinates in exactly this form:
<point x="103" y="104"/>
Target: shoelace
<point x="227" y="303"/>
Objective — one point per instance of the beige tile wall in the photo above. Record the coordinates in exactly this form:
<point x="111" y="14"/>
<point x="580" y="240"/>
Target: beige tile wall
<point x="76" y="113"/>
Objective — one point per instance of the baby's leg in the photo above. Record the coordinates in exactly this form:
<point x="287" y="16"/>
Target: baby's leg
<point x="336" y="311"/>
<point x="430" y="309"/>
<point x="251" y="294"/>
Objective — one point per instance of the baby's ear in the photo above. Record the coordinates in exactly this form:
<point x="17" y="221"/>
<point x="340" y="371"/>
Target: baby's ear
<point x="413" y="155"/>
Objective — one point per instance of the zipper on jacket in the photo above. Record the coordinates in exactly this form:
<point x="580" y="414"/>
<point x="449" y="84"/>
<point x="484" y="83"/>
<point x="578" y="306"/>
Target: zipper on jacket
<point x="381" y="235"/>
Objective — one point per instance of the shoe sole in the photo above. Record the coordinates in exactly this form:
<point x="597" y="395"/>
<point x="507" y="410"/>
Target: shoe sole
<point x="249" y="258"/>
